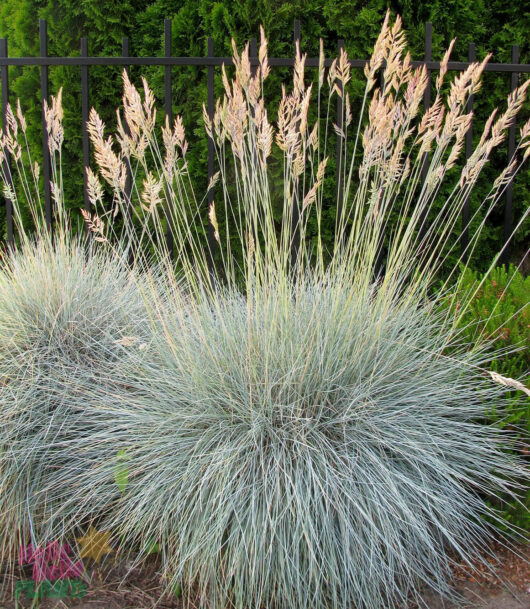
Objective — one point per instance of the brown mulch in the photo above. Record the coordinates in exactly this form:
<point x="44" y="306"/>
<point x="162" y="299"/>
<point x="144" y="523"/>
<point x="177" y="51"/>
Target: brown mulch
<point x="117" y="585"/>
<point x="508" y="566"/>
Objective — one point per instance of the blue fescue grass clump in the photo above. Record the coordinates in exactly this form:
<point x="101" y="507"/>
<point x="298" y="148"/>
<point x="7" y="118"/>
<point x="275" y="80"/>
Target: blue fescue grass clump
<point x="67" y="312"/>
<point x="306" y="448"/>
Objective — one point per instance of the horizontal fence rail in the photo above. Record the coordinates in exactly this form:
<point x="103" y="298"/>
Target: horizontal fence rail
<point x="211" y="61"/>
<point x="285" y="62"/>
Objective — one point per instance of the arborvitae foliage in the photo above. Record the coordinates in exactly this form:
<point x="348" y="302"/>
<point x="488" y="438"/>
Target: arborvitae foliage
<point x="492" y="26"/>
<point x="104" y="23"/>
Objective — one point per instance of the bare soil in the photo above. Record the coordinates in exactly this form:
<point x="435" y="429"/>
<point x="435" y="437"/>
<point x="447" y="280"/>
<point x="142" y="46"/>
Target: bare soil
<point x="109" y="588"/>
<point x="507" y="587"/>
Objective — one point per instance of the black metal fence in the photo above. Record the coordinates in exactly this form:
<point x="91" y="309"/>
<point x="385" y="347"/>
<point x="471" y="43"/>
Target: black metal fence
<point x="211" y="61"/>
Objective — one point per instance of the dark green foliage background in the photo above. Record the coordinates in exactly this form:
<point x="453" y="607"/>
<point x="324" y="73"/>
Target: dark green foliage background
<point x="493" y="26"/>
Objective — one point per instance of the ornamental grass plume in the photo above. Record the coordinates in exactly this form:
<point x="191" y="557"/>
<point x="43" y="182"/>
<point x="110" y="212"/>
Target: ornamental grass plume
<point x="307" y="431"/>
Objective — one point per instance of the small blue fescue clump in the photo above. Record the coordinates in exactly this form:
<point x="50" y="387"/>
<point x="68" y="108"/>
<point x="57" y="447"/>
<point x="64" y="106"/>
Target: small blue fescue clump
<point x="66" y="311"/>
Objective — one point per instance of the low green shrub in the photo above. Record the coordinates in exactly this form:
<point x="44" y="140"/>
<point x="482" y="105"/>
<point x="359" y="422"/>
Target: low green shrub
<point x="499" y="311"/>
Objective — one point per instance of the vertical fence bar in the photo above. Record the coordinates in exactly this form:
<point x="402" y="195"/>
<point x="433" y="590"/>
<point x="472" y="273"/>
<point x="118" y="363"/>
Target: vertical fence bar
<point x="297" y="31"/>
<point x="253" y="56"/>
<point x="128" y="179"/>
<point x="4" y="76"/>
<point x="167" y="71"/>
<point x="211" y="154"/>
<point x="464" y="241"/>
<point x="125" y="53"/>
<point x="295" y="229"/>
<point x="169" y="115"/>
<point x="84" y="117"/>
<point x="508" y="206"/>
<point x="379" y="267"/>
<point x="340" y="125"/>
<point x="426" y="106"/>
<point x="43" y="37"/>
